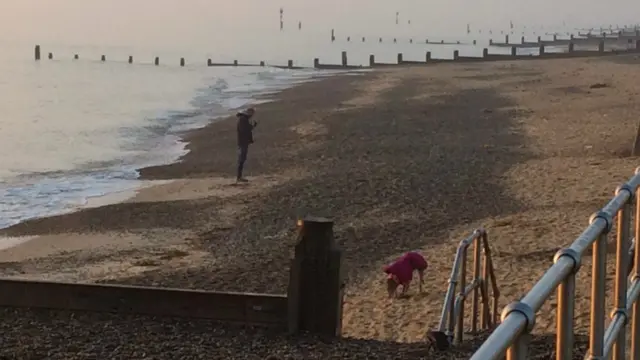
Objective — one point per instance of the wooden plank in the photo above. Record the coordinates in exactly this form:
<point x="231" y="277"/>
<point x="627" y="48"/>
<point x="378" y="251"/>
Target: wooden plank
<point x="635" y="150"/>
<point x="294" y="296"/>
<point x="222" y="306"/>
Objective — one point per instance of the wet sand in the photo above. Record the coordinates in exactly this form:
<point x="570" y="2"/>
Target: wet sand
<point x="412" y="158"/>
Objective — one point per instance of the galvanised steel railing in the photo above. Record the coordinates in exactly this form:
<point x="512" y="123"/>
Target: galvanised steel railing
<point x="452" y="317"/>
<point x="518" y="318"/>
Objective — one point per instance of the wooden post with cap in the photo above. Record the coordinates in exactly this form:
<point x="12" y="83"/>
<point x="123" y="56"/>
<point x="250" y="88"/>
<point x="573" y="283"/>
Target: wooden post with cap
<point x="316" y="287"/>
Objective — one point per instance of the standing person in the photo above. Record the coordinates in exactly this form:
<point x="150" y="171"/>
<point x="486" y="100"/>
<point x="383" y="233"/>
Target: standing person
<point x="245" y="138"/>
<point x="401" y="272"/>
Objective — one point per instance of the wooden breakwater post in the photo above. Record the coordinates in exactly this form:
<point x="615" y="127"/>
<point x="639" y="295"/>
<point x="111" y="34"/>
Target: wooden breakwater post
<point x="456" y="55"/>
<point x="130" y="59"/>
<point x="372" y="60"/>
<point x="345" y="61"/>
<point x="635" y="150"/>
<point x="181" y="61"/>
<point x="36" y="52"/>
<point x="514" y="51"/>
<point x="400" y="60"/>
<point x="316" y="286"/>
<point x="156" y="61"/>
<point x="428" y="56"/>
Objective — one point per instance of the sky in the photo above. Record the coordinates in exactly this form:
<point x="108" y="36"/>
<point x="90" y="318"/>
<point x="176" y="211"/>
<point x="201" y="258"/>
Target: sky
<point x="132" y="22"/>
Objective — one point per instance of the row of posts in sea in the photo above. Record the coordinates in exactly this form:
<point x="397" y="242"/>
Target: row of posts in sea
<point x="571" y="51"/>
<point x="156" y="61"/>
<point x="556" y="38"/>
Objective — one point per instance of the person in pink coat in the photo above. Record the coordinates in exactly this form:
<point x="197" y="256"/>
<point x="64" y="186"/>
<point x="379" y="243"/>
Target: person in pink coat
<point x="400" y="272"/>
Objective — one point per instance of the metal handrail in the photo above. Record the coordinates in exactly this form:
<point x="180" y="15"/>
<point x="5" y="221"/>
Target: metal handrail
<point x="452" y="315"/>
<point x="518" y="319"/>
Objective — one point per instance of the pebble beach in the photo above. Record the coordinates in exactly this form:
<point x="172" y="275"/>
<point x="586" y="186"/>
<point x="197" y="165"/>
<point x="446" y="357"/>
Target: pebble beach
<point x="413" y="158"/>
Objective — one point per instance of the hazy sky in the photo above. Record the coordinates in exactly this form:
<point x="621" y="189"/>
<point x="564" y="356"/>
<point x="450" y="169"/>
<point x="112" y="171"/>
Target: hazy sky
<point x="131" y="22"/>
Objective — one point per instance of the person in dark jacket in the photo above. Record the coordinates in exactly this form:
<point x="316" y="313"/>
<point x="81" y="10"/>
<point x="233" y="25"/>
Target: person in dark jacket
<point x="245" y="138"/>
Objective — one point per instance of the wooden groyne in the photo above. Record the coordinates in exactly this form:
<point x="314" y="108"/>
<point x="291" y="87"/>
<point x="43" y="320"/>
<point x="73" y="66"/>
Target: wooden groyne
<point x="589" y="47"/>
<point x="580" y="40"/>
<point x="508" y="37"/>
<point x="313" y="302"/>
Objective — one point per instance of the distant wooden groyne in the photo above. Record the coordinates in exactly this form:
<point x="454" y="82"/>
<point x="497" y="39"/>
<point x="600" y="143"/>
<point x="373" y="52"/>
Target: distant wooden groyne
<point x="589" y="47"/>
<point x="508" y="36"/>
<point x="620" y="38"/>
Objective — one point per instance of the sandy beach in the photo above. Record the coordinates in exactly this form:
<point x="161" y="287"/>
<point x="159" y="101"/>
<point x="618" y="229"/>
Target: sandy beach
<point x="413" y="158"/>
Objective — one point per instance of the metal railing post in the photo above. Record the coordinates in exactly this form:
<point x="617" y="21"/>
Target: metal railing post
<point x="452" y="320"/>
<point x="476" y="278"/>
<point x="622" y="240"/>
<point x="495" y="293"/>
<point x="598" y="287"/>
<point x="519" y="349"/>
<point x="484" y="315"/>
<point x="566" y="306"/>
<point x="635" y="324"/>
<point x="463" y="285"/>
<point x="495" y="304"/>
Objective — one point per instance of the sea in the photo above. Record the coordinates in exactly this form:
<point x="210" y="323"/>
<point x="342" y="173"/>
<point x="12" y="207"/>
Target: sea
<point x="76" y="130"/>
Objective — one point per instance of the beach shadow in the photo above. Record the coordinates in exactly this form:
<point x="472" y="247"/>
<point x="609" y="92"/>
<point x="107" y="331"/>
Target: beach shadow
<point x="181" y="214"/>
<point x="403" y="171"/>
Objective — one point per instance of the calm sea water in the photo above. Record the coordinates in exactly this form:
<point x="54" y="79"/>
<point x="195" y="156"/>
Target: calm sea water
<point x="72" y="130"/>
